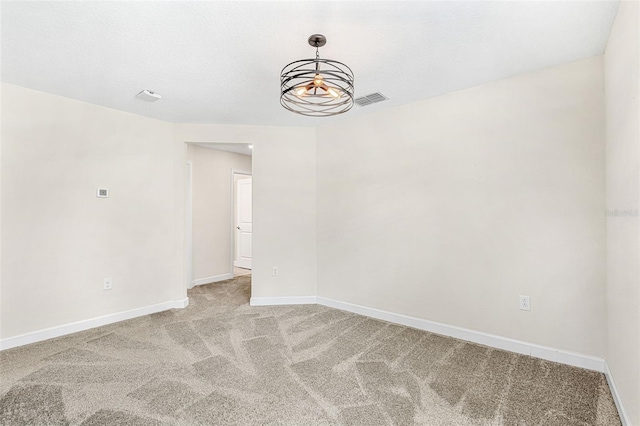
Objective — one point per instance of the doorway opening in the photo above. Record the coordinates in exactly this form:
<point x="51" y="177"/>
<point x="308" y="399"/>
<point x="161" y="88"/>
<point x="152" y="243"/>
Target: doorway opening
<point x="219" y="217"/>
<point x="243" y="225"/>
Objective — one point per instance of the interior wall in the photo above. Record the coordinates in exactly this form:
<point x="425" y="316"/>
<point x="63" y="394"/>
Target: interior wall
<point x="1" y="87"/>
<point x="449" y="208"/>
<point x="212" y="209"/>
<point x="284" y="203"/>
<point x="621" y="72"/>
<point x="60" y="241"/>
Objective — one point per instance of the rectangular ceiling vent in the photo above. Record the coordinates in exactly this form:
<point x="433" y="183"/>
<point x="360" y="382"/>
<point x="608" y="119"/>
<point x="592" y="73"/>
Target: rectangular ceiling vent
<point x="370" y="99"/>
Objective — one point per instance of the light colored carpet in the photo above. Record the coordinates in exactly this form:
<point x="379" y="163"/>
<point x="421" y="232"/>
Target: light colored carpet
<point x="240" y="271"/>
<point x="222" y="362"/>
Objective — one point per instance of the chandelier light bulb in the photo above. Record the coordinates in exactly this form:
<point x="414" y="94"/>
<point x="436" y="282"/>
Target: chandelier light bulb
<point x="333" y="92"/>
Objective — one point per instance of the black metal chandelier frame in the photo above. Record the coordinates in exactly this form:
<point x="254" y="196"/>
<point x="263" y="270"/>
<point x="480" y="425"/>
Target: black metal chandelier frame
<point x="317" y="87"/>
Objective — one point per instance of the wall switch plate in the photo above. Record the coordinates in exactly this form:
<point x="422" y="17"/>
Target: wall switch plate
<point x="274" y="271"/>
<point x="107" y="284"/>
<point x="102" y="193"/>
<point x="525" y="303"/>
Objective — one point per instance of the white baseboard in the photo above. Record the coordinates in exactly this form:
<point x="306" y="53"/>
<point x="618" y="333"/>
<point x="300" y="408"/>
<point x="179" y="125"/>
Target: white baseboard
<point x="624" y="418"/>
<point x="213" y="279"/>
<point x="180" y="304"/>
<point x="292" y="300"/>
<point x="74" y="327"/>
<point x="565" y="357"/>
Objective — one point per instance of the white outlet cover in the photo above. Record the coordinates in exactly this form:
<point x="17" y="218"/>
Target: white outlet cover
<point x="524" y="303"/>
<point x="102" y="192"/>
<point x="107" y="284"/>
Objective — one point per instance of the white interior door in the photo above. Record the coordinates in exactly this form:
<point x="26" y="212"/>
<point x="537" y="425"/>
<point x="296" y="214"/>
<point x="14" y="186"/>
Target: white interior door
<point x="244" y="225"/>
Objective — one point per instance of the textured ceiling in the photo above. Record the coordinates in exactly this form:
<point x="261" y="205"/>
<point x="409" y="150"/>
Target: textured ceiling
<point x="219" y="62"/>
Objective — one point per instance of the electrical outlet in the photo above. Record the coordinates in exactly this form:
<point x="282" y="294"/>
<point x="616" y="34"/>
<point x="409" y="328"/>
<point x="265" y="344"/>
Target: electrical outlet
<point x="274" y="271"/>
<point x="107" y="284"/>
<point x="525" y="303"/>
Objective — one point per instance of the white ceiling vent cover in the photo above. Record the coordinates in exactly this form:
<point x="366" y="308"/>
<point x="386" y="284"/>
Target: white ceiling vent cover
<point x="370" y="99"/>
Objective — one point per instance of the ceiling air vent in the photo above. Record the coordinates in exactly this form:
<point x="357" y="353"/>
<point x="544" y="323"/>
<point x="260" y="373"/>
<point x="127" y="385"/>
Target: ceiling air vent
<point x="370" y="99"/>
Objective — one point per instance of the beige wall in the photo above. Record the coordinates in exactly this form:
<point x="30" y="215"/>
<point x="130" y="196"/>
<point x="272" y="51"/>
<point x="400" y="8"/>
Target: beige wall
<point x="450" y="208"/>
<point x="1" y="314"/>
<point x="284" y="203"/>
<point x="59" y="240"/>
<point x="212" y="209"/>
<point x="623" y="191"/>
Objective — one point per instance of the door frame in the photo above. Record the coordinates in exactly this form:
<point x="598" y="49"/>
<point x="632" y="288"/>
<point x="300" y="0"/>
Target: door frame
<point x="187" y="269"/>
<point x="189" y="226"/>
<point x="233" y="215"/>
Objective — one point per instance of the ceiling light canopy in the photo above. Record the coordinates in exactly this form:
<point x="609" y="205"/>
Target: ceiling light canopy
<point x="317" y="87"/>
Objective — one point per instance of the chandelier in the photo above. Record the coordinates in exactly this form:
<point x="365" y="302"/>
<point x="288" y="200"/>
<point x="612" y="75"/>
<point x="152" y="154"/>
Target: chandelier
<point x="316" y="87"/>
